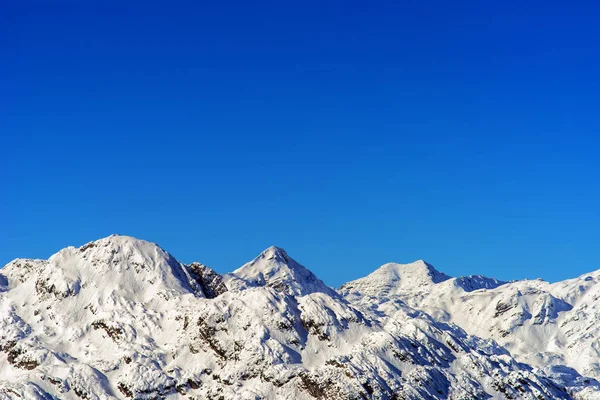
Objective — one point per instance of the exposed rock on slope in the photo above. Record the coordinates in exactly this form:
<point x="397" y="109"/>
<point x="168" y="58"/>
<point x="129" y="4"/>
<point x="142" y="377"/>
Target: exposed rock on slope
<point x="209" y="281"/>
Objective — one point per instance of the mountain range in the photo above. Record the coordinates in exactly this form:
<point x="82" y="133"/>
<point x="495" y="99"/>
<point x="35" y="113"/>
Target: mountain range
<point x="121" y="318"/>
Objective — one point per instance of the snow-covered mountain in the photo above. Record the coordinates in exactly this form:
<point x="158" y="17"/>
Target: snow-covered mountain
<point x="542" y="324"/>
<point x="121" y="318"/>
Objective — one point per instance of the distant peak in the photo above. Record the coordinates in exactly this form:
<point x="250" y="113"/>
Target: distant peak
<point x="393" y="278"/>
<point x="419" y="266"/>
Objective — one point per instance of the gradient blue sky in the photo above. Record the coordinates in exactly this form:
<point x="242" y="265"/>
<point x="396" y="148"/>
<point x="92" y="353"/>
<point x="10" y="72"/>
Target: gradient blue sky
<point x="349" y="133"/>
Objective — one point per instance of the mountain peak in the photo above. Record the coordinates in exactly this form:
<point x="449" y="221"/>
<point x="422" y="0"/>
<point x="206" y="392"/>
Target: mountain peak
<point x="418" y="271"/>
<point x="118" y="249"/>
<point x="275" y="268"/>
<point x="392" y="278"/>
<point x="117" y="264"/>
<point x="121" y="240"/>
<point x="275" y="253"/>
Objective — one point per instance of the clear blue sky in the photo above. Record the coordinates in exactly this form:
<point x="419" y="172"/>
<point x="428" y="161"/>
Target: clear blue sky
<point x="349" y="133"/>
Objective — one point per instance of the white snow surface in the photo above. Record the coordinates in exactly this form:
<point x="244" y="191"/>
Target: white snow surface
<point x="121" y="318"/>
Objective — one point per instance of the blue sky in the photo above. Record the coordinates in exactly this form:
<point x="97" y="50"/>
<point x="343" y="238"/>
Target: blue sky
<point x="350" y="133"/>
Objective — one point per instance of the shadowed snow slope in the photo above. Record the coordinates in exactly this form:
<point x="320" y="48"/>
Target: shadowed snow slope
<point x="121" y="318"/>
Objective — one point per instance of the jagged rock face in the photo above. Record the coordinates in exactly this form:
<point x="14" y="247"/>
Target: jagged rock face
<point x="210" y="282"/>
<point x="121" y="318"/>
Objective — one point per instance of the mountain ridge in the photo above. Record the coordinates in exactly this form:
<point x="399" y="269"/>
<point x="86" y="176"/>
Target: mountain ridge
<point x="122" y="318"/>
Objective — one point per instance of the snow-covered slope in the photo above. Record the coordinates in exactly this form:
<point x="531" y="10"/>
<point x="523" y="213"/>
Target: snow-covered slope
<point x="121" y="318"/>
<point x="540" y="323"/>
